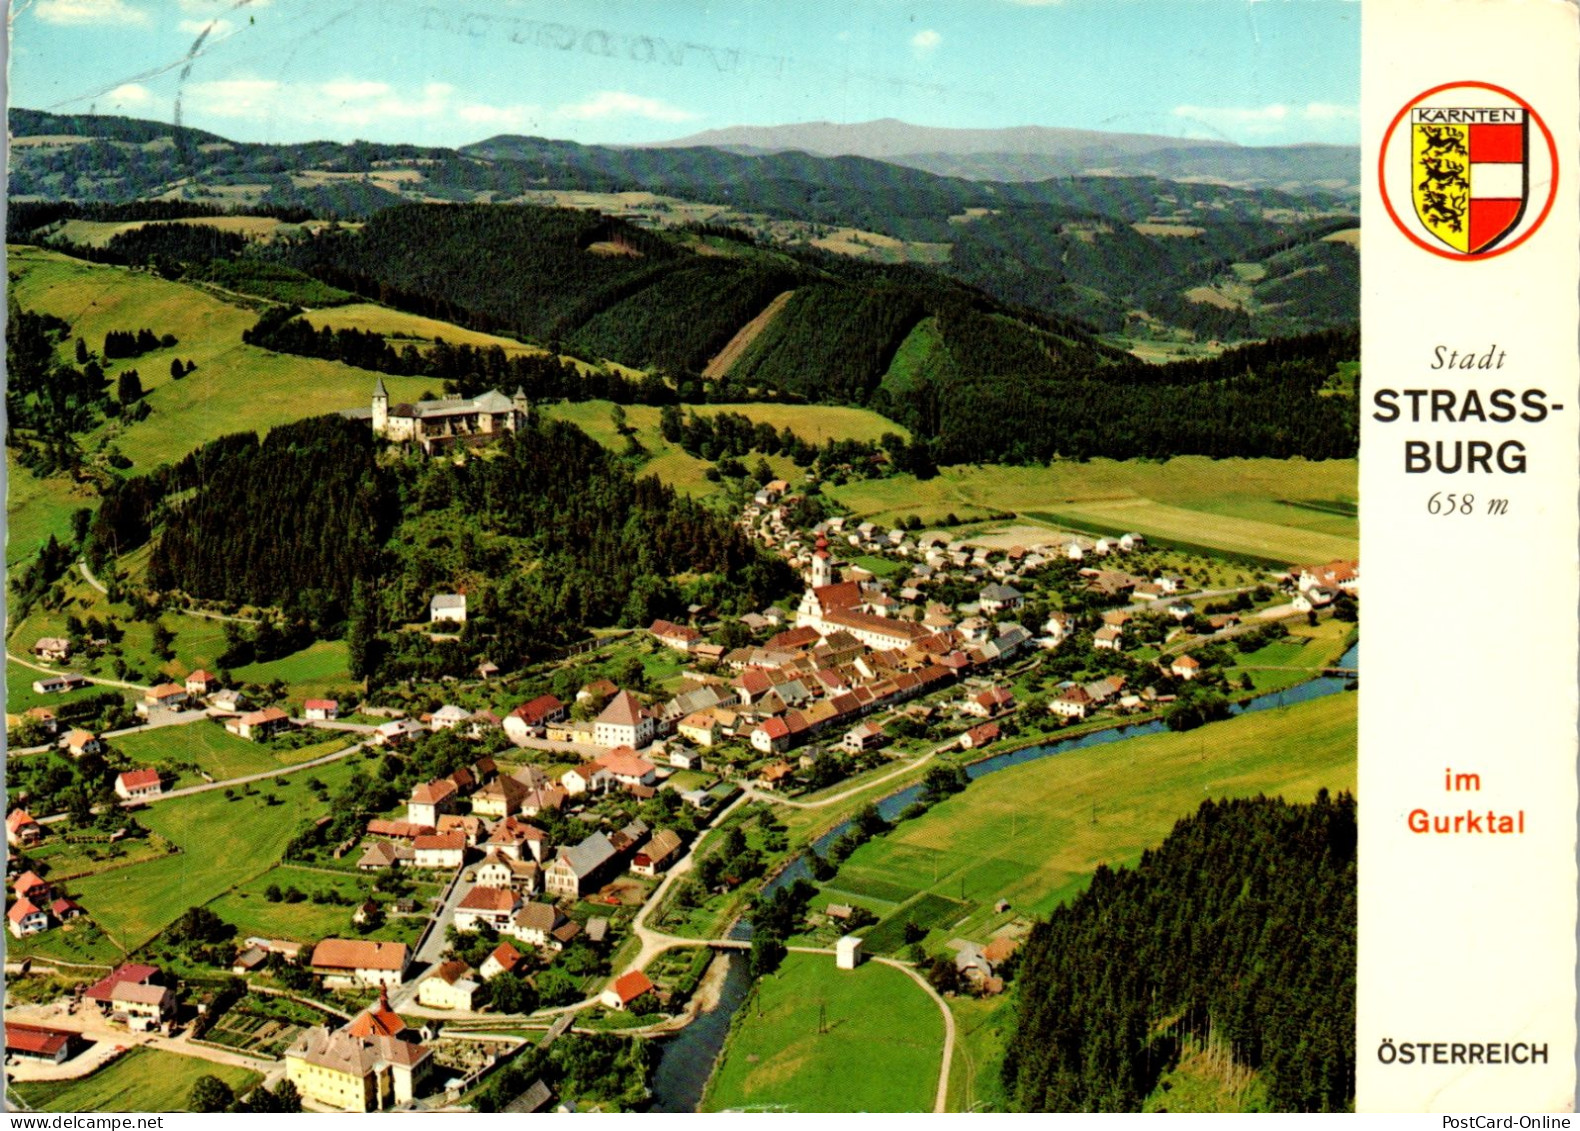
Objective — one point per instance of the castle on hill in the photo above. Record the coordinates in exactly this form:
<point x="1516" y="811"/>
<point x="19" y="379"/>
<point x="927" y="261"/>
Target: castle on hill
<point x="437" y="426"/>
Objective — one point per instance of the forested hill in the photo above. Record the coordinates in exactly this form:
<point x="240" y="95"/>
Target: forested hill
<point x="549" y="537"/>
<point x="1236" y="935"/>
<point x="1117" y="251"/>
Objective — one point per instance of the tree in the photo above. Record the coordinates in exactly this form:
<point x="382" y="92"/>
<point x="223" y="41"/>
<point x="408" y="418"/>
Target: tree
<point x="209" y="1093"/>
<point x="163" y="638"/>
<point x="513" y="994"/>
<point x="766" y="955"/>
<point x="177" y="370"/>
<point x="129" y="387"/>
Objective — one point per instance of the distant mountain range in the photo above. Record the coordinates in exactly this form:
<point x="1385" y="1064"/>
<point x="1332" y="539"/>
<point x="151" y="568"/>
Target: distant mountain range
<point x="1031" y="153"/>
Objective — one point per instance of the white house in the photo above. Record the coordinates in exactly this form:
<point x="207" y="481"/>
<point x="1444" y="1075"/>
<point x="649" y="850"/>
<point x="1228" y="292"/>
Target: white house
<point x="318" y="710"/>
<point x="447" y="606"/>
<point x="137" y="785"/>
<point x="623" y="722"/>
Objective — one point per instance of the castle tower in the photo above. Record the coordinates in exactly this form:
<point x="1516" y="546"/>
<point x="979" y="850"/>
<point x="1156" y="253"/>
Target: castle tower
<point x="381" y="408"/>
<point x="522" y="407"/>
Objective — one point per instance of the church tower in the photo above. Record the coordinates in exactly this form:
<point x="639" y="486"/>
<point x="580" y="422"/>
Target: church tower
<point x="822" y="572"/>
<point x="381" y="408"/>
<point x="522" y="407"/>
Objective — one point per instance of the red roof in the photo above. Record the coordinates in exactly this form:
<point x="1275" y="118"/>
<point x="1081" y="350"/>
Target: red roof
<point x="22" y="908"/>
<point x="440" y="842"/>
<point x="844" y="595"/>
<point x="27" y="881"/>
<point x="138" y="779"/>
<point x="378" y="1019"/>
<point x="359" y="954"/>
<point x="629" y="987"/>
<point x="490" y="899"/>
<point x="134" y="972"/>
<point x="507" y="956"/>
<point x="321" y="705"/>
<point x="775" y="727"/>
<point x="35" y="1039"/>
<point x="267" y="715"/>
<point x="534" y="711"/>
<point x="166" y="691"/>
<point x="404" y="830"/>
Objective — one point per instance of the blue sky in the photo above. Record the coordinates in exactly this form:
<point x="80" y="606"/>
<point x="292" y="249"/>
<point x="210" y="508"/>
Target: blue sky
<point x="446" y="72"/>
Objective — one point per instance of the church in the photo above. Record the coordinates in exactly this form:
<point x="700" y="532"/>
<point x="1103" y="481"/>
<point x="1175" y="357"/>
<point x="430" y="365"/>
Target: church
<point x="437" y="426"/>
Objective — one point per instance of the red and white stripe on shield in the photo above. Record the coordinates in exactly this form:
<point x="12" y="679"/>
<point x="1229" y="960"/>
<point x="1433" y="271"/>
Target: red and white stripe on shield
<point x="1497" y="181"/>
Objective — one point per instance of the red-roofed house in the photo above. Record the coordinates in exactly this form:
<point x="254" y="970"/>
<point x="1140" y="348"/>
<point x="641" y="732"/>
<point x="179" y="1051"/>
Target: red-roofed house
<point x="771" y="736"/>
<point x="431" y="799"/>
<point x="1186" y="667"/>
<point x="993" y="701"/>
<point x="258" y="724"/>
<point x="627" y="767"/>
<point x="505" y="959"/>
<point x="439" y="850"/>
<point x="979" y="736"/>
<point x="166" y="695"/>
<point x="529" y="719"/>
<point x="352" y="961"/>
<point x="136" y="785"/>
<point x="80" y="742"/>
<point x="29" y="885"/>
<point x="27" y="918"/>
<point x="200" y="683"/>
<point x="676" y="636"/>
<point x="625" y="989"/>
<point x="21" y="829"/>
<point x="317" y="710"/>
<point x="102" y="992"/>
<point x="495" y="906"/>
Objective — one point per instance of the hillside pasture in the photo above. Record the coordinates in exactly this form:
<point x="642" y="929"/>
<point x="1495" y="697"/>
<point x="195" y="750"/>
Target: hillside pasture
<point x="234" y="388"/>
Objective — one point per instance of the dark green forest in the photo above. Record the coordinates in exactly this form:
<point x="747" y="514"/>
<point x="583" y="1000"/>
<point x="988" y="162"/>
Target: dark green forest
<point x="549" y="536"/>
<point x="1237" y="933"/>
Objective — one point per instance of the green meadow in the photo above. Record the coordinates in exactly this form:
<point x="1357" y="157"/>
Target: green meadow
<point x="143" y="1079"/>
<point x="1035" y="833"/>
<point x="815" y="1038"/>
<point x="224" y="843"/>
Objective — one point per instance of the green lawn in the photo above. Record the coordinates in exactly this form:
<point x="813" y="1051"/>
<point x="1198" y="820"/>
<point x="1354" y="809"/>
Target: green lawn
<point x="1294" y="659"/>
<point x="878" y="1050"/>
<point x="37" y="508"/>
<point x="314" y="670"/>
<point x="206" y="743"/>
<point x="224" y="844"/>
<point x="252" y="914"/>
<point x="143" y="1079"/>
<point x="1034" y="834"/>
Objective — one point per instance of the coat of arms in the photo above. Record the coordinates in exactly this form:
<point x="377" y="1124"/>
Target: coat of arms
<point x="1469" y="173"/>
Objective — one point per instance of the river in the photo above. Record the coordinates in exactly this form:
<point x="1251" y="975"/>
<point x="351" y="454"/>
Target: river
<point x="686" y="1060"/>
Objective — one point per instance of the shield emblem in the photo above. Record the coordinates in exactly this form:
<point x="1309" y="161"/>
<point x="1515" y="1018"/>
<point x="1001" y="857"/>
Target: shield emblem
<point x="1469" y="173"/>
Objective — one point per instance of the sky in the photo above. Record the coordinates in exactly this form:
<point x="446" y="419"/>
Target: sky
<point x="449" y="72"/>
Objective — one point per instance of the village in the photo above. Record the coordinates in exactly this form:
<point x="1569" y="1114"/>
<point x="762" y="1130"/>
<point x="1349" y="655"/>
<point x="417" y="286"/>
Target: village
<point x="541" y="879"/>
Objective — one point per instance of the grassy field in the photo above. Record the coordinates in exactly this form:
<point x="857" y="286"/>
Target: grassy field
<point x="879" y="1049"/>
<point x="143" y="1079"/>
<point x="252" y="914"/>
<point x="1294" y="659"/>
<point x="1034" y="834"/>
<point x="982" y="1028"/>
<point x="1231" y="504"/>
<point x="311" y="672"/>
<point x="224" y="844"/>
<point x="207" y="744"/>
<point x="397" y="324"/>
<point x="37" y="508"/>
<point x="235" y="387"/>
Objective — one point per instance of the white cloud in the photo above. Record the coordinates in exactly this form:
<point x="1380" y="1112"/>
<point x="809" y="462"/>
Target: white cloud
<point x="499" y="117"/>
<point x="348" y="90"/>
<point x="112" y="12"/>
<point x="619" y="104"/>
<point x="129" y="96"/>
<point x="236" y="98"/>
<point x="1328" y="112"/>
<point x="213" y="27"/>
<point x="926" y="41"/>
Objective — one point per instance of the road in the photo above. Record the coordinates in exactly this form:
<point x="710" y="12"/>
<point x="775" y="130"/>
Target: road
<point x="100" y="680"/>
<point x="87" y="576"/>
<point x="432" y="950"/>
